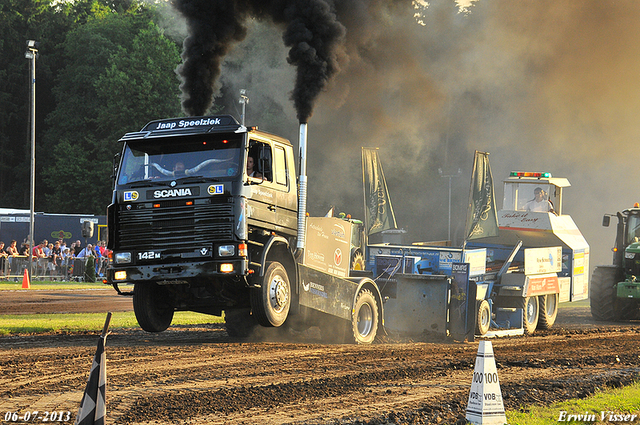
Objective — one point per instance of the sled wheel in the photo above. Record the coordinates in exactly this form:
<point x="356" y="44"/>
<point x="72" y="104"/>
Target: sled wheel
<point x="548" y="310"/>
<point x="483" y="319"/>
<point x="530" y="311"/>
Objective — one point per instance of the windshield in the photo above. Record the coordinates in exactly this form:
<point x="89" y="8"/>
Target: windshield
<point x="529" y="196"/>
<point x="633" y="228"/>
<point x="208" y="156"/>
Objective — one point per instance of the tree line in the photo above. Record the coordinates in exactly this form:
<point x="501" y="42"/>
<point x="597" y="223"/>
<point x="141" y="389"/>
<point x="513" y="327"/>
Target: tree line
<point x="104" y="68"/>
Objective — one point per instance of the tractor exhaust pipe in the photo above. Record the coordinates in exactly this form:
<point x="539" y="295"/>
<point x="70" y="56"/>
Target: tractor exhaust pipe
<point x="302" y="191"/>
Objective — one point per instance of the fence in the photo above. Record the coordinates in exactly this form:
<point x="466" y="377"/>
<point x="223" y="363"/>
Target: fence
<point x="43" y="269"/>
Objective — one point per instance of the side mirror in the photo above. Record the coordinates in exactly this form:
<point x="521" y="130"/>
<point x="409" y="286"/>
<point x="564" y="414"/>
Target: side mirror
<point x="606" y="220"/>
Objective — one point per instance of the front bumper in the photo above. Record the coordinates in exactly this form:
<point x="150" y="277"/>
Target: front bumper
<point x="175" y="273"/>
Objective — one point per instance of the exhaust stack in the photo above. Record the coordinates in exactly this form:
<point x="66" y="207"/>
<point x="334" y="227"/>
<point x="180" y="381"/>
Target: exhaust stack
<point x="302" y="190"/>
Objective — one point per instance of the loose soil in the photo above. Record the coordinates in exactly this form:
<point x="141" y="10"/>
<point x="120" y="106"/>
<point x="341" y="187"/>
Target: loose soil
<point x="199" y="375"/>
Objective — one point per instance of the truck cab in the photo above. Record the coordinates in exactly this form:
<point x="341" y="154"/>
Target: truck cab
<point x="188" y="227"/>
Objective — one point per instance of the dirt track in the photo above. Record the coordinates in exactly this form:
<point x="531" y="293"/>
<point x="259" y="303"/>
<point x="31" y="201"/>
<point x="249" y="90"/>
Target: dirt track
<point x="199" y="375"/>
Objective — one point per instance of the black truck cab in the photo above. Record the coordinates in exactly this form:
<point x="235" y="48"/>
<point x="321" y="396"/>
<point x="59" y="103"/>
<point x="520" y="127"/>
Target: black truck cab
<point x="187" y="222"/>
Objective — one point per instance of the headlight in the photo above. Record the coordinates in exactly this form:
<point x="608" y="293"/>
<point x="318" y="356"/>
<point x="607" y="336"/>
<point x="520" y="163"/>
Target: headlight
<point x="629" y="255"/>
<point x="120" y="275"/>
<point x="122" y="257"/>
<point x="226" y="250"/>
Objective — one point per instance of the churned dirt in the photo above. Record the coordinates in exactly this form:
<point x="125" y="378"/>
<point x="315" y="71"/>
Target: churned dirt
<point x="199" y="375"/>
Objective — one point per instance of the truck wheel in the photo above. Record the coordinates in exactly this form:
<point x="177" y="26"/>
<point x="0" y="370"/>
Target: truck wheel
<point x="364" y="318"/>
<point x="151" y="306"/>
<point x="239" y="323"/>
<point x="548" y="310"/>
<point x="483" y="319"/>
<point x="531" y="312"/>
<point x="272" y="301"/>
<point x="605" y="305"/>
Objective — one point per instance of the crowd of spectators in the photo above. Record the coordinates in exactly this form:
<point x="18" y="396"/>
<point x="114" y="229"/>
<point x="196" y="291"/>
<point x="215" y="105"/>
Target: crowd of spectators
<point x="52" y="259"/>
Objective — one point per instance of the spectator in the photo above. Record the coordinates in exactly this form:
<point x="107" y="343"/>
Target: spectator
<point x="4" y="264"/>
<point x="86" y="252"/>
<point x="55" y="255"/>
<point x="63" y="245"/>
<point x="24" y="249"/>
<point x="38" y="251"/>
<point x="77" y="249"/>
<point x="46" y="248"/>
<point x="12" y="250"/>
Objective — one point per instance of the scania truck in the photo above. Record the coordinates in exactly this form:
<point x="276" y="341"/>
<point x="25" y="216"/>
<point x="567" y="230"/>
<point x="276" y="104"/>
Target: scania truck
<point x="190" y="229"/>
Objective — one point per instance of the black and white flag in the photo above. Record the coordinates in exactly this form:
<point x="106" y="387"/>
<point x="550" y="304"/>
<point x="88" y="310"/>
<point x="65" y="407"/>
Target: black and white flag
<point x="93" y="407"/>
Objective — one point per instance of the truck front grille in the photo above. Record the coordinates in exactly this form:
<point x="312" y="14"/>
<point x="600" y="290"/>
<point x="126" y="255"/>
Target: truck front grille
<point x="175" y="227"/>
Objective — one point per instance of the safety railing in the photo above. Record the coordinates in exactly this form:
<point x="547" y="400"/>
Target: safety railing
<point x="13" y="268"/>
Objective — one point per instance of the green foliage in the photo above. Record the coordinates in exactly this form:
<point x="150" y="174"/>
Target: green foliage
<point x="104" y="68"/>
<point x="90" y="269"/>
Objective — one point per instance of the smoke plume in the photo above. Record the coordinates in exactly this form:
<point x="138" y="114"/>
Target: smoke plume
<point x="311" y="32"/>
<point x="542" y="85"/>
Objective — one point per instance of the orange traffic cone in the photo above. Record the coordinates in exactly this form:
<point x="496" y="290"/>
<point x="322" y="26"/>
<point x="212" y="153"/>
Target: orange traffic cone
<point x="25" y="280"/>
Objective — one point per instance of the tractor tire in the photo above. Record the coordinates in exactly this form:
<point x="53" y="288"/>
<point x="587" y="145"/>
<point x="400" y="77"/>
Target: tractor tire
<point x="364" y="318"/>
<point x="530" y="313"/>
<point x="239" y="323"/>
<point x="272" y="301"/>
<point x="605" y="305"/>
<point x="152" y="307"/>
<point x="357" y="261"/>
<point x="548" y="310"/>
<point x="483" y="318"/>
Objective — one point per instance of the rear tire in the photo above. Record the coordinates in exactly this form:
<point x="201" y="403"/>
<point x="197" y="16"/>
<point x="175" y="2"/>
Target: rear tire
<point x="530" y="312"/>
<point x="357" y="261"/>
<point x="272" y="301"/>
<point x="483" y="318"/>
<point x="364" y="318"/>
<point x="548" y="310"/>
<point x="152" y="307"/>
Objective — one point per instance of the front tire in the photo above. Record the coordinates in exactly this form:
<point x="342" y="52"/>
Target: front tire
<point x="364" y="318"/>
<point x="605" y="305"/>
<point x="152" y="307"/>
<point x="272" y="301"/>
<point x="548" y="310"/>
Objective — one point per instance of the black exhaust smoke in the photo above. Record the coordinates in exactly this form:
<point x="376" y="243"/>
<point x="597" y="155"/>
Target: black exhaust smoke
<point x="311" y="31"/>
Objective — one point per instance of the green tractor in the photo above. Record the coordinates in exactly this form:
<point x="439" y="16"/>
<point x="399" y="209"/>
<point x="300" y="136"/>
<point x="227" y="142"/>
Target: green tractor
<point x="615" y="289"/>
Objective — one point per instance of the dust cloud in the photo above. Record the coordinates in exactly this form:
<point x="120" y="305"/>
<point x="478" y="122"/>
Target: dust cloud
<point x="544" y="85"/>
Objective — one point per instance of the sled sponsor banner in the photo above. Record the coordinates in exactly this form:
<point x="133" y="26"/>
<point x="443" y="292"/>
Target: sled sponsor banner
<point x="543" y="260"/>
<point x="328" y="245"/>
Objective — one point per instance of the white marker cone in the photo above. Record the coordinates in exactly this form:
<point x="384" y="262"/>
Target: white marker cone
<point x="485" y="398"/>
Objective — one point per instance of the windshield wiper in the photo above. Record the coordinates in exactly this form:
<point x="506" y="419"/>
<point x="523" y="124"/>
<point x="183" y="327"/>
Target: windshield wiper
<point x="196" y="179"/>
<point x="148" y="183"/>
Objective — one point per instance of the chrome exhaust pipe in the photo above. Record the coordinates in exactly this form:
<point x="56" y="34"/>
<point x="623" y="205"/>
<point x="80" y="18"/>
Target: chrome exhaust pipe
<point x="302" y="190"/>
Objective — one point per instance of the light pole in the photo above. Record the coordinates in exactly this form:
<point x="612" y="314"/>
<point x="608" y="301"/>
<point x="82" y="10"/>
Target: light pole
<point x="244" y="99"/>
<point x="449" y="176"/>
<point x="32" y="54"/>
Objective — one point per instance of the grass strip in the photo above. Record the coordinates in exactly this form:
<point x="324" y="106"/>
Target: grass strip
<point x="599" y="408"/>
<point x="80" y="322"/>
<point x="51" y="285"/>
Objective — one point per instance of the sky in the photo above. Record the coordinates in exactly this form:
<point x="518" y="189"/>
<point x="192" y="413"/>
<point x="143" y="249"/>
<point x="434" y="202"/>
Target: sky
<point x="544" y="85"/>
